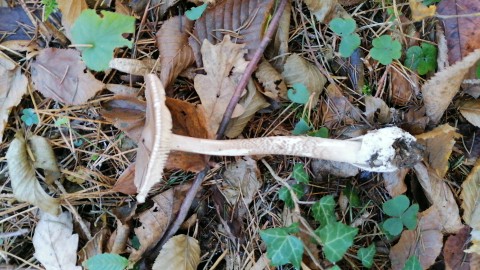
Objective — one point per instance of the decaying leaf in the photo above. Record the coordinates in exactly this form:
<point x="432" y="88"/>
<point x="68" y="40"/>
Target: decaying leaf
<point x="341" y="169"/>
<point x="12" y="87"/>
<point x="224" y="64"/>
<point x="425" y="242"/>
<point x="70" y="9"/>
<point x="94" y="246"/>
<point x="455" y="257"/>
<point x="299" y="70"/>
<point x="278" y="48"/>
<point x="127" y="113"/>
<point x="441" y="197"/>
<point x="21" y="168"/>
<point x="124" y="219"/>
<point x="338" y="109"/>
<point x="439" y="91"/>
<point x="272" y="81"/>
<point x="471" y="111"/>
<point x="395" y="182"/>
<point x="122" y="90"/>
<point x="15" y="24"/>
<point x="55" y="245"/>
<point x="163" y="5"/>
<point x="420" y="11"/>
<point x="246" y="18"/>
<point x="181" y="252"/>
<point x="252" y="102"/>
<point x="125" y="183"/>
<point x="402" y="89"/>
<point x="135" y="66"/>
<point x="61" y="75"/>
<point x="415" y="120"/>
<point x="175" y="53"/>
<point x="377" y="108"/>
<point x="439" y="145"/>
<point x="324" y="11"/>
<point x="471" y="206"/>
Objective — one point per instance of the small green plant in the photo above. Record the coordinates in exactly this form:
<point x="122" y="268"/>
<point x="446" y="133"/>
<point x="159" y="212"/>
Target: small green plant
<point x="282" y="246"/>
<point x="345" y="28"/>
<point x="97" y="36"/>
<point x="413" y="263"/>
<point x="106" y="261"/>
<point x="298" y="93"/>
<point x="401" y="214"/>
<point x="49" y="6"/>
<point x="422" y="59"/>
<point x="30" y="117"/>
<point x="301" y="176"/>
<point x="196" y="12"/>
<point x="321" y="133"/>
<point x="430" y="2"/>
<point x="385" y="50"/>
<point x="301" y="127"/>
<point x="365" y="255"/>
<point x="366" y="90"/>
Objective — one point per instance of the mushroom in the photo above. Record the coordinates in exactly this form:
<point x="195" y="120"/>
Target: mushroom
<point x="383" y="150"/>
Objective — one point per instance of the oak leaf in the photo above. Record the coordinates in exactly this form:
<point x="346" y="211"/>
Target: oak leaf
<point x="181" y="252"/>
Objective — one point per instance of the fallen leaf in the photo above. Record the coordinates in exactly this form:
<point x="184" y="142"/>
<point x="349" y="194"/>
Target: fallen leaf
<point x="402" y="89"/>
<point x="439" y="91"/>
<point x="224" y="64"/>
<point x="249" y="25"/>
<point x="94" y="246"/>
<point x="415" y="120"/>
<point x="439" y="146"/>
<point x="377" y="108"/>
<point x="70" y="9"/>
<point x="322" y="10"/>
<point x="336" y="168"/>
<point x="441" y="197"/>
<point x="425" y="242"/>
<point x="12" y="87"/>
<point x="122" y="90"/>
<point x="272" y="81"/>
<point x="117" y="242"/>
<point x="180" y="252"/>
<point x="470" y="194"/>
<point x="278" y="49"/>
<point x="61" y="75"/>
<point x="299" y="70"/>
<point x="21" y="168"/>
<point x="127" y="113"/>
<point x="135" y="66"/>
<point x="395" y="182"/>
<point x="55" y="245"/>
<point x="163" y="5"/>
<point x="175" y="52"/>
<point x="420" y="11"/>
<point x="337" y="109"/>
<point x="455" y="258"/>
<point x="471" y="111"/>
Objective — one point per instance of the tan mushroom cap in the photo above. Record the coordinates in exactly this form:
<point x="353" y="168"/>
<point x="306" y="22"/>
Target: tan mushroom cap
<point x="154" y="145"/>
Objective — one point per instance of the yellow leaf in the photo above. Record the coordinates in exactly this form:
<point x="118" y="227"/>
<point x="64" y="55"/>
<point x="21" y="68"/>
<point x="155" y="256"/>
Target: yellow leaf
<point x="181" y="252"/>
<point x="470" y="194"/>
<point x="420" y="11"/>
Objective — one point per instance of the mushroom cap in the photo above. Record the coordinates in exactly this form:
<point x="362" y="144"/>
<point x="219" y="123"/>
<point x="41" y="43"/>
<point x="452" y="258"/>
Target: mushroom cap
<point x="154" y="144"/>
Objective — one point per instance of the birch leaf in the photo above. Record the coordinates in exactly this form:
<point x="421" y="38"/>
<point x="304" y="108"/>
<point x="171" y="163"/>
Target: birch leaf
<point x="471" y="111"/>
<point x="55" y="245"/>
<point x="21" y="168"/>
<point x="470" y="194"/>
<point x="181" y="252"/>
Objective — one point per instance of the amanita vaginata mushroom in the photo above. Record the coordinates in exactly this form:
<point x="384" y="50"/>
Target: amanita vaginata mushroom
<point x="382" y="150"/>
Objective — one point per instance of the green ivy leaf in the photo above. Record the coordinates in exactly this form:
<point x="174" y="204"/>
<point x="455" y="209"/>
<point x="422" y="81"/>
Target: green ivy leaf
<point x="366" y="255"/>
<point x="393" y="226"/>
<point x="321" y="133"/>
<point x="385" y="49"/>
<point x="300" y="174"/>
<point x="196" y="12"/>
<point x="422" y="59"/>
<point x="301" y="127"/>
<point x="337" y="238"/>
<point x="352" y="194"/>
<point x="299" y="93"/>
<point x="103" y="34"/>
<point x="283" y="248"/>
<point x="30" y="117"/>
<point x="106" y="261"/>
<point x="49" y="6"/>
<point x="409" y="218"/>
<point x="396" y="206"/>
<point x="285" y="195"/>
<point x="343" y="27"/>
<point x="349" y="44"/>
<point x="323" y="210"/>
<point x="412" y="264"/>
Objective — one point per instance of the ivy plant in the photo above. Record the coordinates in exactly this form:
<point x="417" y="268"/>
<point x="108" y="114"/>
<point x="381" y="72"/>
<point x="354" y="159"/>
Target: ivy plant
<point x="422" y="58"/>
<point x="400" y="215"/>
<point x="385" y="50"/>
<point x="345" y="28"/>
<point x="365" y="255"/>
<point x="301" y="177"/>
<point x="282" y="246"/>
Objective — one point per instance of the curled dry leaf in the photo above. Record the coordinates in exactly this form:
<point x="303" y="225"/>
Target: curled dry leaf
<point x="338" y="109"/>
<point x="324" y="11"/>
<point x="175" y="53"/>
<point x="135" y="66"/>
<point x="425" y="242"/>
<point x="127" y="113"/>
<point x="181" y="252"/>
<point x="21" y="168"/>
<point x="94" y="246"/>
<point x="55" y="245"/>
<point x="402" y="89"/>
<point x="471" y="111"/>
<point x="420" y="11"/>
<point x="122" y="90"/>
<point x="12" y="87"/>
<point x="247" y="18"/>
<point x="272" y="81"/>
<point x="70" y="9"/>
<point x="415" y="120"/>
<point x="299" y="70"/>
<point x="439" y="91"/>
<point x="224" y="65"/>
<point x="455" y="257"/>
<point x="441" y="197"/>
<point x="119" y="238"/>
<point x="61" y="75"/>
<point x="395" y="182"/>
<point x="377" y="108"/>
<point x="471" y="206"/>
<point x="278" y="50"/>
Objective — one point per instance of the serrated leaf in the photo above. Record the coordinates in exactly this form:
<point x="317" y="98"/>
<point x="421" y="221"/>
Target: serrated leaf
<point x="336" y="238"/>
<point x="366" y="255"/>
<point x="323" y="210"/>
<point x="283" y="248"/>
<point x="396" y="206"/>
<point x="181" y="252"/>
<point x="300" y="174"/>
<point x="412" y="264"/>
<point x="393" y="226"/>
<point x="349" y="44"/>
<point x="104" y="34"/>
<point x="299" y="93"/>
<point x="343" y="27"/>
<point x="106" y="261"/>
<point x="285" y="195"/>
<point x="409" y="218"/>
<point x="196" y="12"/>
<point x="301" y="127"/>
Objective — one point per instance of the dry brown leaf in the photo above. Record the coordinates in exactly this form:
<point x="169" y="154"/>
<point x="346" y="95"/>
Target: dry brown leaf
<point x="125" y="183"/>
<point x="278" y="49"/>
<point x="471" y="111"/>
<point x="415" y="121"/>
<point x="122" y="90"/>
<point x="322" y="9"/>
<point x="439" y="146"/>
<point x="119" y="238"/>
<point x="272" y="81"/>
<point x="70" y="9"/>
<point x="135" y="66"/>
<point x="441" y="197"/>
<point x="94" y="246"/>
<point x="55" y="245"/>
<point x="163" y="5"/>
<point x="439" y="91"/>
<point x="455" y="258"/>
<point x="61" y="75"/>
<point x="402" y="90"/>
<point x="175" y="53"/>
<point x="21" y="168"/>
<point x="299" y="70"/>
<point x="224" y="64"/>
<point x="181" y="252"/>
<point x="341" y="169"/>
<point x="425" y="242"/>
<point x="246" y="18"/>
<point x="12" y="87"/>
<point x="420" y="11"/>
<point x="377" y="109"/>
<point x="127" y="113"/>
<point x="471" y="206"/>
<point x="395" y="182"/>
<point x="252" y="102"/>
<point x="338" y="109"/>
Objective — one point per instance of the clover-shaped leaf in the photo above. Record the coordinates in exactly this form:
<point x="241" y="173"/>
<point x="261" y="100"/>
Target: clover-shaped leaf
<point x="301" y="127"/>
<point x="29" y="117"/>
<point x="337" y="238"/>
<point x="97" y="36"/>
<point x="283" y="248"/>
<point x="401" y="214"/>
<point x="385" y="49"/>
<point x="366" y="255"/>
<point x="393" y="226"/>
<point x="349" y="44"/>
<point x="396" y="206"/>
<point x="409" y="218"/>
<point x="299" y="93"/>
<point x="342" y="26"/>
<point x="422" y="59"/>
<point x="323" y="210"/>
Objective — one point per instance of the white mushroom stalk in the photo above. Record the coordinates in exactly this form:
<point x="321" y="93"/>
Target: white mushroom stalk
<point x="382" y="150"/>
